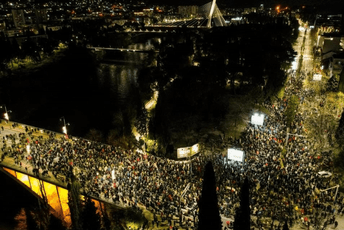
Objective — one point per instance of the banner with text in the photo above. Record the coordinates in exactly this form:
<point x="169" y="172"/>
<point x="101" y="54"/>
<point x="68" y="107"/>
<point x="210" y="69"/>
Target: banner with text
<point x="188" y="151"/>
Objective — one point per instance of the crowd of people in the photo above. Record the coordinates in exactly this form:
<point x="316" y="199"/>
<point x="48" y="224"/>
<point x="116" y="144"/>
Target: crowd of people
<point x="282" y="170"/>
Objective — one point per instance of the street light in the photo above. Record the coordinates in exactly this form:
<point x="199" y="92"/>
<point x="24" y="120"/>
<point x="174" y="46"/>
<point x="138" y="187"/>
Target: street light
<point x="6" y="116"/>
<point x="64" y="127"/>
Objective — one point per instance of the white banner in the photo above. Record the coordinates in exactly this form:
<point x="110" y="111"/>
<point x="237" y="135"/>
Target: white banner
<point x="188" y="151"/>
<point x="236" y="155"/>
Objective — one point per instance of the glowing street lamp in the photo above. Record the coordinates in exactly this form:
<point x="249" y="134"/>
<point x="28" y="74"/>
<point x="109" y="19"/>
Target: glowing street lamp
<point x="6" y="116"/>
<point x="64" y="127"/>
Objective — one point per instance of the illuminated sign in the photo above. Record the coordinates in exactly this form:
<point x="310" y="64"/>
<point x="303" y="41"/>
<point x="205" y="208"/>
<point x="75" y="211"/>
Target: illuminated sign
<point x="257" y="119"/>
<point x="236" y="155"/>
<point x="188" y="151"/>
<point x="294" y="65"/>
<point x="317" y="77"/>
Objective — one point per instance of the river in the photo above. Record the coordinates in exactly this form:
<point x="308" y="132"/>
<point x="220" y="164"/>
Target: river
<point x="87" y="94"/>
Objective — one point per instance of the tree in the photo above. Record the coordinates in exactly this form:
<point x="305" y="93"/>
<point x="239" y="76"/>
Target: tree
<point x="95" y="135"/>
<point x="209" y="215"/>
<point x="74" y="203"/>
<point x="55" y="223"/>
<point x="242" y="216"/>
<point x="340" y="130"/>
<point x="285" y="226"/>
<point x="291" y="109"/>
<point x="90" y="217"/>
<point x="106" y="221"/>
<point x="31" y="224"/>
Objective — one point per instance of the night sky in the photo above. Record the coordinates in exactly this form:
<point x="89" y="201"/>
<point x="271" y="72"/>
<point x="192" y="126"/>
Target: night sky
<point x="337" y="5"/>
<point x="238" y="3"/>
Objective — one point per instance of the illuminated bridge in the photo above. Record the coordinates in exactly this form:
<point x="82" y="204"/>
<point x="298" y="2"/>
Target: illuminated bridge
<point x="211" y="16"/>
<point x="122" y="49"/>
<point x="44" y="162"/>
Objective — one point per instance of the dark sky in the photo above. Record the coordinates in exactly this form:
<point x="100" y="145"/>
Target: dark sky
<point x="331" y="4"/>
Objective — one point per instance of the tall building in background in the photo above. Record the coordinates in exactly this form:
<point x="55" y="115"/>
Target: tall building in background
<point x="187" y="11"/>
<point x="18" y="17"/>
<point x="41" y="15"/>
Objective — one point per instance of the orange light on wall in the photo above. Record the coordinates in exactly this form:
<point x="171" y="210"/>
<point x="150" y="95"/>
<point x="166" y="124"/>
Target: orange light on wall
<point x="57" y="197"/>
<point x="98" y="206"/>
<point x="10" y="171"/>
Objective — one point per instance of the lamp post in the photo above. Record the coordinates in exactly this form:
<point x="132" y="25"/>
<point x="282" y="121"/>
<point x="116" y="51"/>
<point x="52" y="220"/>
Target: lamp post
<point x="6" y="116"/>
<point x="64" y="127"/>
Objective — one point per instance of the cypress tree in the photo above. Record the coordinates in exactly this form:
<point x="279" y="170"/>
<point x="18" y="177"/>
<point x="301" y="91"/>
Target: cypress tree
<point x="74" y="203"/>
<point x="285" y="226"/>
<point x="55" y="223"/>
<point x="90" y="217"/>
<point x="242" y="216"/>
<point x="209" y="215"/>
<point x="31" y="223"/>
<point x="340" y="130"/>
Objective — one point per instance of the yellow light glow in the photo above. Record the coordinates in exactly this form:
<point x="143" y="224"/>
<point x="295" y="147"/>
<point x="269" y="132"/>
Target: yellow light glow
<point x="52" y="197"/>
<point x="63" y="193"/>
<point x="36" y="186"/>
<point x="58" y="201"/>
<point x="23" y="178"/>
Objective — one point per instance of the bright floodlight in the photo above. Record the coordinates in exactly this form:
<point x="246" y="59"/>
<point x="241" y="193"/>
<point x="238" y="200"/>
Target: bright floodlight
<point x="64" y="129"/>
<point x="294" y="65"/>
<point x="236" y="155"/>
<point x="257" y="119"/>
<point x="6" y="116"/>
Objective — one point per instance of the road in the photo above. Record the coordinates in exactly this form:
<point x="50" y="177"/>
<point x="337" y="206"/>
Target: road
<point x="307" y="65"/>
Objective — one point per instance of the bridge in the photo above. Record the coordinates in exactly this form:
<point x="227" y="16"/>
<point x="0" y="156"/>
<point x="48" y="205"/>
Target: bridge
<point x="210" y="14"/>
<point x="44" y="161"/>
<point x="122" y="49"/>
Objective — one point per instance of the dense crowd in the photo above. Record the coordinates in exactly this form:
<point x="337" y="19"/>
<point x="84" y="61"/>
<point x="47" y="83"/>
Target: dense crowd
<point x="282" y="170"/>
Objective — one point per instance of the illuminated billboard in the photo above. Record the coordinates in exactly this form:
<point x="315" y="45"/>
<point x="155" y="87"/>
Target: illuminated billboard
<point x="257" y="119"/>
<point x="236" y="155"/>
<point x="188" y="151"/>
<point x="317" y="77"/>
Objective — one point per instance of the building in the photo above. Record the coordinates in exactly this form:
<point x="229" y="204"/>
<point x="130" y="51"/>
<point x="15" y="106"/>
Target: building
<point x="41" y="15"/>
<point x="330" y="42"/>
<point x="336" y="65"/>
<point x="188" y="11"/>
<point x="18" y="17"/>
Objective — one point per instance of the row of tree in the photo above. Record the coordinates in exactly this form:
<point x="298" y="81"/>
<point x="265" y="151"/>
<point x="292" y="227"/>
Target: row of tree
<point x="209" y="215"/>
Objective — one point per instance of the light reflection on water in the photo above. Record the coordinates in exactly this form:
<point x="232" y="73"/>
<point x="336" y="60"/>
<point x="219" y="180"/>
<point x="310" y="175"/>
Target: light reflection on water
<point x="117" y="80"/>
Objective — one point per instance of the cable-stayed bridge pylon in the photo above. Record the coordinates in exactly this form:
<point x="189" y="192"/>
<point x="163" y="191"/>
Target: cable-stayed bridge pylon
<point x="211" y="12"/>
